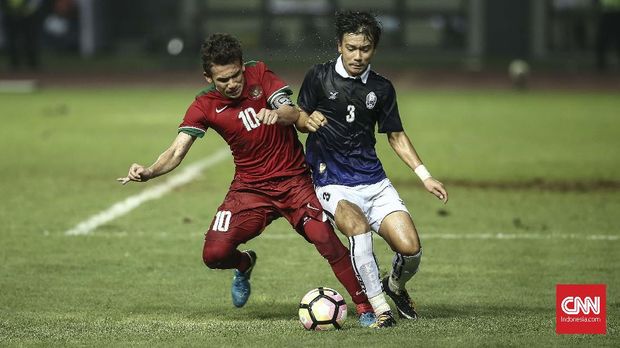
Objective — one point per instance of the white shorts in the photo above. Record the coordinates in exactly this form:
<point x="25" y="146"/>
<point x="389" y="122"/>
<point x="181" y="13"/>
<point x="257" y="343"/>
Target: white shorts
<point x="376" y="200"/>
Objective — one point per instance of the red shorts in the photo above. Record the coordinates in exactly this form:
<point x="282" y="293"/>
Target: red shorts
<point x="248" y="209"/>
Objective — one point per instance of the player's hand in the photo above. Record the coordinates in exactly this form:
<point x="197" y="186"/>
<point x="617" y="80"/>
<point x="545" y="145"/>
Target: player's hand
<point x="435" y="187"/>
<point x="315" y="121"/>
<point x="267" y="116"/>
<point x="136" y="173"/>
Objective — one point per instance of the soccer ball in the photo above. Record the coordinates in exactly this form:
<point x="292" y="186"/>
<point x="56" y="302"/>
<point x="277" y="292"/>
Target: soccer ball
<point x="322" y="309"/>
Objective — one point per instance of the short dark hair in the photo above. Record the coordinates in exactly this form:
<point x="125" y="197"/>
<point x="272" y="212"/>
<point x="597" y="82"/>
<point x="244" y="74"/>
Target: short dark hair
<point x="356" y="22"/>
<point x="220" y="49"/>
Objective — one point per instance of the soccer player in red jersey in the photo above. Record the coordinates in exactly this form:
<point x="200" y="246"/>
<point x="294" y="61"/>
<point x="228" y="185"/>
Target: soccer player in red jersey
<point x="250" y="107"/>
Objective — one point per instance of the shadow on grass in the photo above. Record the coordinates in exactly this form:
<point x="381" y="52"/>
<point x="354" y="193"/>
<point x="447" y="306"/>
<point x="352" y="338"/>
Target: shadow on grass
<point x="222" y="309"/>
<point x="436" y="311"/>
<point x="251" y="311"/>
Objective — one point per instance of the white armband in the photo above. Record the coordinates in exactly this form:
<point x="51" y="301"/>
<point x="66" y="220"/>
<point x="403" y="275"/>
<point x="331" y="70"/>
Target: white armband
<point x="422" y="172"/>
<point x="280" y="99"/>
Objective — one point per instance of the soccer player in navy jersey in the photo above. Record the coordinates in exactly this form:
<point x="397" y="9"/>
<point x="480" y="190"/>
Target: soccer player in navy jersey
<point x="250" y="107"/>
<point x="342" y="101"/>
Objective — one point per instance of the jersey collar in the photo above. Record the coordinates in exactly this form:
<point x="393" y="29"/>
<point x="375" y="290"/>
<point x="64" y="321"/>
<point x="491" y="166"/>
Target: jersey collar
<point x="343" y="72"/>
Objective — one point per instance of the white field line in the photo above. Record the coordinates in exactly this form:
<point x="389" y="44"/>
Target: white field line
<point x="509" y="236"/>
<point x="123" y="207"/>
<point x="483" y="236"/>
<point x="18" y="86"/>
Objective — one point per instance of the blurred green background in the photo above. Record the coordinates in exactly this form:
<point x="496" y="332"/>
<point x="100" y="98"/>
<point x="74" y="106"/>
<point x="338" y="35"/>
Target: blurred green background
<point x="470" y="35"/>
<point x="532" y="172"/>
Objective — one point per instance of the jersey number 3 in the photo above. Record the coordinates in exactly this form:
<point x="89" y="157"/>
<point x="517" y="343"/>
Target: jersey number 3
<point x="351" y="115"/>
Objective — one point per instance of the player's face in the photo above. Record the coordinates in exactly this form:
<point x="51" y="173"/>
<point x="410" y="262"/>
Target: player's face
<point x="357" y="51"/>
<point x="228" y="79"/>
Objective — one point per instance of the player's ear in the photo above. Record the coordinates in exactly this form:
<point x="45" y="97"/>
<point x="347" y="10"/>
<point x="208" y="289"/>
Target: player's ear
<point x="207" y="77"/>
<point x="340" y="47"/>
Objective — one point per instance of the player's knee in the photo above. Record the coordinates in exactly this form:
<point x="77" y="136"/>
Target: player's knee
<point x="355" y="226"/>
<point x="214" y="254"/>
<point x="407" y="247"/>
<point x="322" y="235"/>
<point x="350" y="219"/>
<point x="359" y="226"/>
<point x="318" y="232"/>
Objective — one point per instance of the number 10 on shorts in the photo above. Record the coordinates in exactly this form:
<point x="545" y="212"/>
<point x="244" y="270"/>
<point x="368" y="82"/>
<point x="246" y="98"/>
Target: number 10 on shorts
<point x="222" y="221"/>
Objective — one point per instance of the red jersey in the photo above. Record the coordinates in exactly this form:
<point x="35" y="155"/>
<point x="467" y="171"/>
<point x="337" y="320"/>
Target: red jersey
<point x="261" y="152"/>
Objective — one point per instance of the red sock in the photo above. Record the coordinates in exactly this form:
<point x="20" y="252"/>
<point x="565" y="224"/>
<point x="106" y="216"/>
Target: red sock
<point x="343" y="269"/>
<point x="322" y="235"/>
<point x="244" y="261"/>
<point x="364" y="307"/>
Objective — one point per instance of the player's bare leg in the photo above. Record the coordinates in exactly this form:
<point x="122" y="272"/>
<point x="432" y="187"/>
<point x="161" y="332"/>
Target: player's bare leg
<point x="401" y="235"/>
<point x="352" y="222"/>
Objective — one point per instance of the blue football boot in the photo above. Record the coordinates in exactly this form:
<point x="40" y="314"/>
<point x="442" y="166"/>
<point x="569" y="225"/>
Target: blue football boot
<point x="367" y="319"/>
<point x="366" y="315"/>
<point x="241" y="282"/>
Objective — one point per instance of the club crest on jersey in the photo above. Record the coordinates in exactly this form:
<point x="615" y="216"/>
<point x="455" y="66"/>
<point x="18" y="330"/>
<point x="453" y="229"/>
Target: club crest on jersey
<point x="255" y="92"/>
<point x="371" y="100"/>
<point x="322" y="167"/>
<point x="333" y="95"/>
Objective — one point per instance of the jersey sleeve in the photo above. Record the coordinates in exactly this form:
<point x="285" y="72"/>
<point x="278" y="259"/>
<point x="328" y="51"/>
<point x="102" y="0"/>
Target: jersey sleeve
<point x="195" y="121"/>
<point x="389" y="117"/>
<point x="273" y="86"/>
<point x="309" y="92"/>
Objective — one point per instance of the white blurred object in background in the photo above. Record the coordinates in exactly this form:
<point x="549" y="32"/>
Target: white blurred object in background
<point x="175" y="46"/>
<point x="519" y="71"/>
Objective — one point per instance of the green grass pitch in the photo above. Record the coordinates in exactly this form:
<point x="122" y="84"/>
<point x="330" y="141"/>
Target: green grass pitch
<point x="534" y="200"/>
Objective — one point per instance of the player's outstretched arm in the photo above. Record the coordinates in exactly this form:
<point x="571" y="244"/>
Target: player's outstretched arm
<point x="310" y="123"/>
<point x="403" y="147"/>
<point x="166" y="162"/>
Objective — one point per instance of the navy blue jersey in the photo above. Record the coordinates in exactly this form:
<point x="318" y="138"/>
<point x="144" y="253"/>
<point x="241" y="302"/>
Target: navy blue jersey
<point x="343" y="151"/>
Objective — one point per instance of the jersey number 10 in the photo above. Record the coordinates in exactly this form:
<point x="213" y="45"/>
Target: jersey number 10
<point x="222" y="221"/>
<point x="248" y="116"/>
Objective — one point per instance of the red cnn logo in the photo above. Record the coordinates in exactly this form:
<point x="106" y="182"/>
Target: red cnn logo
<point x="580" y="309"/>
